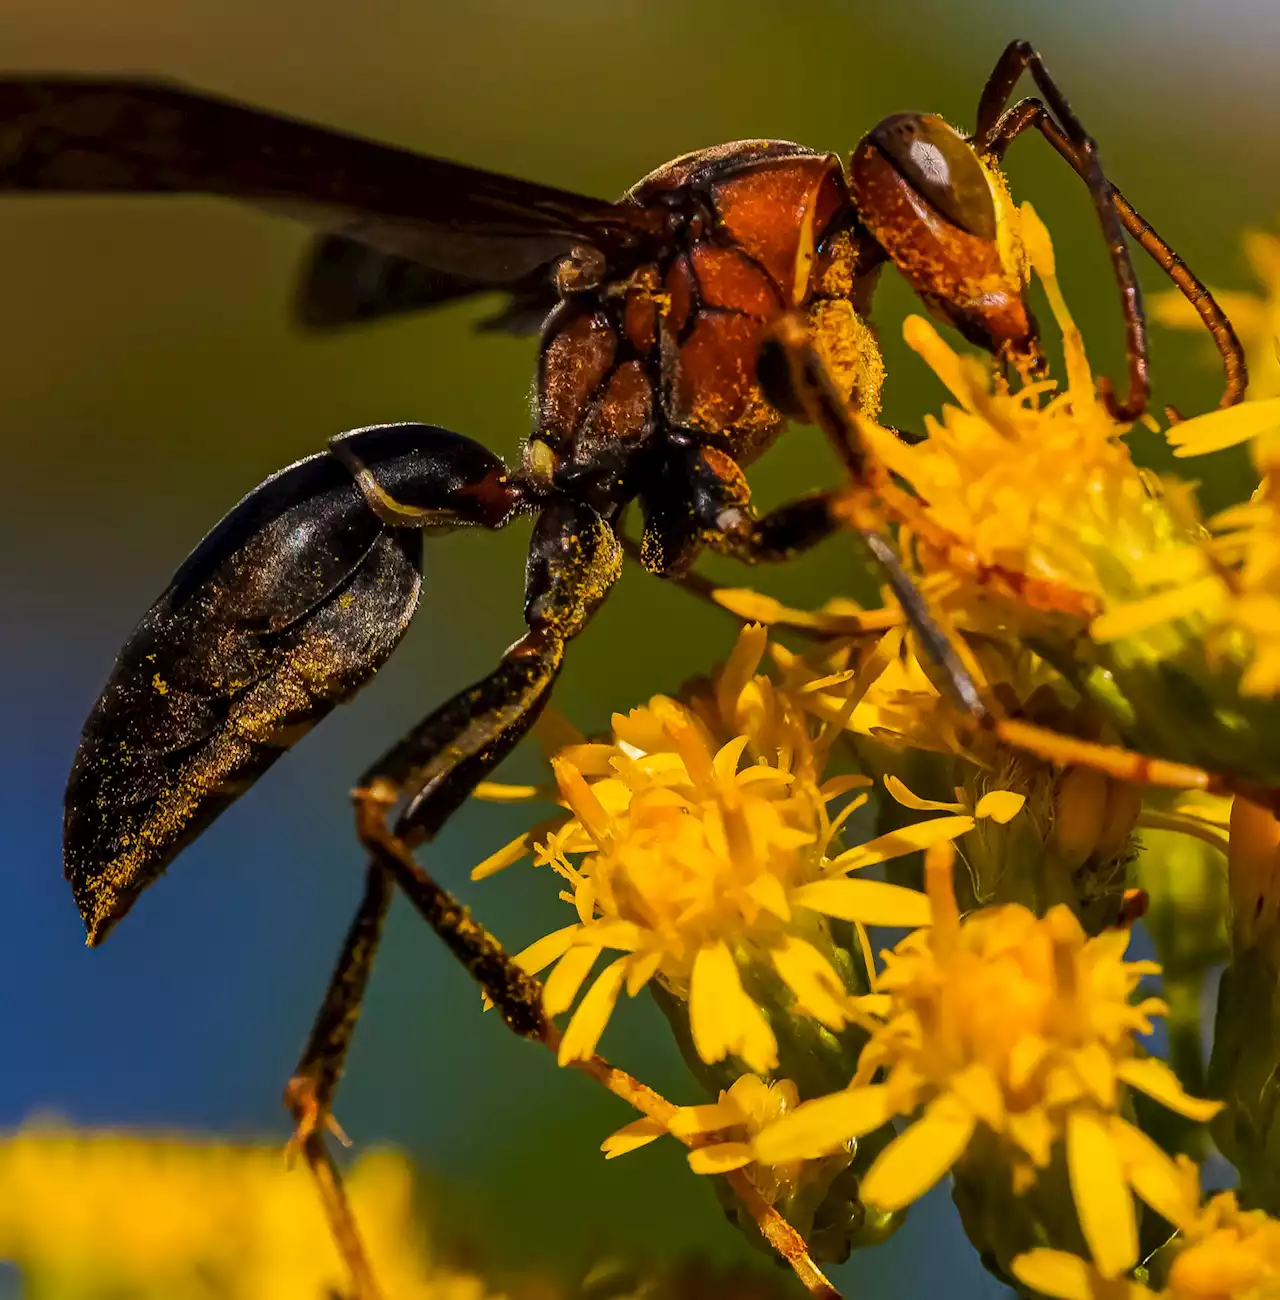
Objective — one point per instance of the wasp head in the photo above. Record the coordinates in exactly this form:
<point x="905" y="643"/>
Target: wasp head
<point x="943" y="216"/>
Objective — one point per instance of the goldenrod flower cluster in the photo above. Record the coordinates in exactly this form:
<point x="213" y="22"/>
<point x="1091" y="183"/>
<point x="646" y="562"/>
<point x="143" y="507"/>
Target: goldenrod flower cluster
<point x="700" y="846"/>
<point x="706" y="845"/>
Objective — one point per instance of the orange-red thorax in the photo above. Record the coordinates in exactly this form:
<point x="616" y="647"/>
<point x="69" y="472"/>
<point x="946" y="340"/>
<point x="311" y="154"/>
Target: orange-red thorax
<point x="762" y="228"/>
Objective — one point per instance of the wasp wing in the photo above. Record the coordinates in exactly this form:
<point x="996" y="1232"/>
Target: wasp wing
<point x="106" y="135"/>
<point x="285" y="609"/>
<point x="345" y="283"/>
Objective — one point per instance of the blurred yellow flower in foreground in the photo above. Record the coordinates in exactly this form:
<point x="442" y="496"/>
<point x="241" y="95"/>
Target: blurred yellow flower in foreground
<point x="103" y="1214"/>
<point x="1021" y="1025"/>
<point x="1222" y="1253"/>
<point x="696" y="864"/>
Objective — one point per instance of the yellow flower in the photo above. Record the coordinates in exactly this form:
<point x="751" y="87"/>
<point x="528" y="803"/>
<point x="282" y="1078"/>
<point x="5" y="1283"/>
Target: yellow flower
<point x="817" y="1197"/>
<point x="1255" y="316"/>
<point x="178" y="1218"/>
<point x="1017" y="1025"/>
<point x="743" y="1110"/>
<point x="699" y="845"/>
<point x="1031" y="490"/>
<point x="1222" y="1253"/>
<point x="1032" y="496"/>
<point x="1228" y="581"/>
<point x="1074" y="838"/>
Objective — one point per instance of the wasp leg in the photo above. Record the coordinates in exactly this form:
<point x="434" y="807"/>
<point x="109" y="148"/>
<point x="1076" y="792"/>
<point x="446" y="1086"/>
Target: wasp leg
<point x="1031" y="112"/>
<point x="702" y="498"/>
<point x="341" y="1221"/>
<point x="574" y="559"/>
<point x="1022" y="56"/>
<point x="309" y="1093"/>
<point x="872" y="498"/>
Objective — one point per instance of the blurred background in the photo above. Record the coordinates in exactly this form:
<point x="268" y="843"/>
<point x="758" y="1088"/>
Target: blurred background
<point x="150" y="375"/>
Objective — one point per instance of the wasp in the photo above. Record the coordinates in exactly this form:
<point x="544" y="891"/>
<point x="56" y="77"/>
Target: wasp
<point x="681" y="327"/>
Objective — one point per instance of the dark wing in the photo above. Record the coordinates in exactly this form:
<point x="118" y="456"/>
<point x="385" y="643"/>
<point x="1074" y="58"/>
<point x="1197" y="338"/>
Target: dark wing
<point x="103" y="135"/>
<point x="285" y="609"/>
<point x="344" y="283"/>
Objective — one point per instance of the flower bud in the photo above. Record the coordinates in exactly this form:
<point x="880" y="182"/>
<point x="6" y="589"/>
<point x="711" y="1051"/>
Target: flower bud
<point x="1245" y="1064"/>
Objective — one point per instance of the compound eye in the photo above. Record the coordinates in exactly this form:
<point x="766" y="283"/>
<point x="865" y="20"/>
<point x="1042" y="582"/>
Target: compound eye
<point x="941" y="166"/>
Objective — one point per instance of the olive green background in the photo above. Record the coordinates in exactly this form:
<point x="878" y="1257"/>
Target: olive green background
<point x="149" y="376"/>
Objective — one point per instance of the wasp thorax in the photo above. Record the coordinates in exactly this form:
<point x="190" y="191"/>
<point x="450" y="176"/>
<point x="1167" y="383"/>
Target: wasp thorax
<point x="582" y="271"/>
<point x="942" y="216"/>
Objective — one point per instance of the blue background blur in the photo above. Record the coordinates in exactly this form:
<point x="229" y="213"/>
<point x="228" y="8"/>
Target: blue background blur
<point x="149" y="376"/>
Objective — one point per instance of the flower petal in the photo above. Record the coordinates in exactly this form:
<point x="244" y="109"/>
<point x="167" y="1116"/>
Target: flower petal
<point x="873" y="902"/>
<point x="725" y="763"/>
<point x="816" y="988"/>
<point x="722" y="1018"/>
<point x="626" y="936"/>
<point x="907" y="839"/>
<point x="816" y="1128"/>
<point x="643" y="967"/>
<point x="834" y="786"/>
<point x="582" y="802"/>
<point x="1158" y="1081"/>
<point x="1224" y="428"/>
<point x="502" y="792"/>
<point x="721" y="1158"/>
<point x="631" y="1137"/>
<point x="1104" y="1205"/>
<point x="1171" y="1189"/>
<point x="1096" y="1070"/>
<point x="508" y="855"/>
<point x="918" y="1157"/>
<point x="1000" y="805"/>
<point x="689" y="1121"/>
<point x="564" y="982"/>
<point x="771" y="894"/>
<point x="580" y="1039"/>
<point x="1034" y="1132"/>
<point x="899" y="793"/>
<point x="749" y="604"/>
<point x="542" y="952"/>
<point x="923" y="339"/>
<point x="1055" y="1273"/>
<point x="1136" y="616"/>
